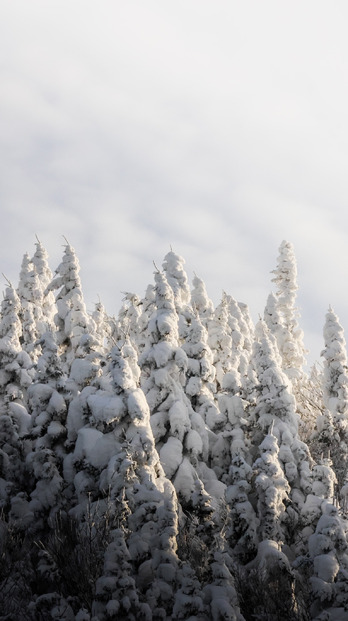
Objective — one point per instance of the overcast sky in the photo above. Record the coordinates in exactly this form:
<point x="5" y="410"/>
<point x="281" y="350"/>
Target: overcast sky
<point x="219" y="127"/>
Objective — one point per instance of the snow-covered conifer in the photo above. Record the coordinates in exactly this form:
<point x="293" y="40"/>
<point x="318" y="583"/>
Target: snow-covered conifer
<point x="201" y="302"/>
<point x="72" y="319"/>
<point x="146" y="308"/>
<point x="200" y="386"/>
<point x="332" y="425"/>
<point x="220" y="340"/>
<point x="242" y="334"/>
<point x="242" y="523"/>
<point x="31" y="316"/>
<point x="173" y="266"/>
<point x="274" y="321"/>
<point x="15" y="378"/>
<point x="275" y="410"/>
<point x="272" y="489"/>
<point x="328" y="552"/>
<point x="128" y="318"/>
<point x="231" y="439"/>
<point x="188" y="598"/>
<point x="117" y="449"/>
<point x="275" y="405"/>
<point x="180" y="432"/>
<point x="44" y="273"/>
<point x="220" y="593"/>
<point x="290" y="340"/>
<point x="104" y="327"/>
<point x="47" y="403"/>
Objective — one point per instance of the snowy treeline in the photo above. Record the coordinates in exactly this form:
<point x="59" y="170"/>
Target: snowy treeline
<point x="173" y="462"/>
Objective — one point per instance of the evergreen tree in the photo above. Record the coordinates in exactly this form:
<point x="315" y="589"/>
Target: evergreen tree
<point x="290" y="339"/>
<point x="31" y="311"/>
<point x="200" y="385"/>
<point x="46" y="303"/>
<point x="183" y="488"/>
<point x="242" y="334"/>
<point x="201" y="302"/>
<point x="220" y="340"/>
<point x="128" y="318"/>
<point x="123" y="451"/>
<point x="180" y="434"/>
<point x="15" y="378"/>
<point x="272" y="490"/>
<point x="332" y="425"/>
<point x="173" y="266"/>
<point x="72" y="320"/>
<point x="275" y="410"/>
<point x="104" y="327"/>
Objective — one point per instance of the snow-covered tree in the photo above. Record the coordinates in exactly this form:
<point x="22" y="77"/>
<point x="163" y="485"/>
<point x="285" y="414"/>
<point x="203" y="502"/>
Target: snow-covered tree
<point x="15" y="378"/>
<point x="275" y="411"/>
<point x="180" y="433"/>
<point x="289" y="335"/>
<point x="71" y="319"/>
<point x="128" y="318"/>
<point x="272" y="490"/>
<point x="159" y="466"/>
<point x="44" y="273"/>
<point x="242" y="334"/>
<point x="173" y="266"/>
<point x="201" y="302"/>
<point x="332" y="424"/>
<point x="200" y="385"/>
<point x="220" y="340"/>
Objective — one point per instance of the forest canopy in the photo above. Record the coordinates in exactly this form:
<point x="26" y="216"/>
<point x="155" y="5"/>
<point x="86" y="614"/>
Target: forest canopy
<point x="172" y="462"/>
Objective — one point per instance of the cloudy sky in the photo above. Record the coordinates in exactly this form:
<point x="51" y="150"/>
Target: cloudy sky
<point x="217" y="127"/>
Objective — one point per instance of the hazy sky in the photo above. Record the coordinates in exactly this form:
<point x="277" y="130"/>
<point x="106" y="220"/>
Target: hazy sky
<point x="219" y="127"/>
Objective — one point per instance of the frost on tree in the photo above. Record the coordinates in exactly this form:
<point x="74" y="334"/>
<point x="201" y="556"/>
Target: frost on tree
<point x="47" y="400"/>
<point x="230" y="436"/>
<point x="274" y="321"/>
<point x="275" y="410"/>
<point x="276" y="405"/>
<point x="332" y="425"/>
<point x="327" y="550"/>
<point x="220" y="593"/>
<point x="44" y="273"/>
<point x="153" y="469"/>
<point x="118" y="446"/>
<point x="200" y="301"/>
<point x="290" y="338"/>
<point x="200" y="383"/>
<point x="242" y="523"/>
<point x="272" y="490"/>
<point x="147" y="308"/>
<point x="220" y="340"/>
<point x="15" y="378"/>
<point x="242" y="334"/>
<point x="128" y="318"/>
<point x="104" y="327"/>
<point x="173" y="266"/>
<point x="31" y="315"/>
<point x="72" y="321"/>
<point x="180" y="433"/>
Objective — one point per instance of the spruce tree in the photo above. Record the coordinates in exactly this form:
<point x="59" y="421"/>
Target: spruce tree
<point x="180" y="433"/>
<point x="46" y="304"/>
<point x="290" y="338"/>
<point x="72" y="321"/>
<point x="332" y="425"/>
<point x="201" y="302"/>
<point x="220" y="340"/>
<point x="15" y="378"/>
